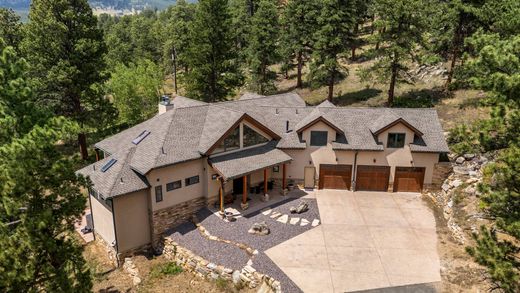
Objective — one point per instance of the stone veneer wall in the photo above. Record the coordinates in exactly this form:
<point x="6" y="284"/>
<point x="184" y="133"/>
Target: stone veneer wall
<point x="248" y="276"/>
<point x="168" y="218"/>
<point x="441" y="171"/>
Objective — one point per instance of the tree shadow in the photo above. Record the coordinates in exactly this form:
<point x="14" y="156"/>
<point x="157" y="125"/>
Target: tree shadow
<point x="359" y="96"/>
<point x="423" y="98"/>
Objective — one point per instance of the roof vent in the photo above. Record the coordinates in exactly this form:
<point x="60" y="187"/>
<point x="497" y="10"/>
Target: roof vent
<point x="108" y="165"/>
<point x="140" y="137"/>
<point x="277" y="112"/>
<point x="165" y="100"/>
<point x="287" y="126"/>
<point x="296" y="111"/>
<point x="165" y="105"/>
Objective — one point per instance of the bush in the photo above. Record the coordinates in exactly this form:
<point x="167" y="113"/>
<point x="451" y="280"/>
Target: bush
<point x="166" y="269"/>
<point x="462" y="139"/>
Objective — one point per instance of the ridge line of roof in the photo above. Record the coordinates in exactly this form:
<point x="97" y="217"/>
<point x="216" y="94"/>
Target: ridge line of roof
<point x="156" y="159"/>
<point x="123" y="163"/>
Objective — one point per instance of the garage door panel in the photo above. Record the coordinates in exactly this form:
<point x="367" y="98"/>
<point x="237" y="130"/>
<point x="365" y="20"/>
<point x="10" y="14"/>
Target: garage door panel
<point x="372" y="178"/>
<point x="335" y="176"/>
<point x="409" y="179"/>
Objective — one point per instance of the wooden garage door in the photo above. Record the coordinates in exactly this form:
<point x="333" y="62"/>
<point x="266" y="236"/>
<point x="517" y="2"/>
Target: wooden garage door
<point x="408" y="179"/>
<point x="335" y="176"/>
<point x="372" y="178"/>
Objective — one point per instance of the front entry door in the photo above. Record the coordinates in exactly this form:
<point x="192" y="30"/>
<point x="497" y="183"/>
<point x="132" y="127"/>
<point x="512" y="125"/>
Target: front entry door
<point x="238" y="185"/>
<point x="309" y="176"/>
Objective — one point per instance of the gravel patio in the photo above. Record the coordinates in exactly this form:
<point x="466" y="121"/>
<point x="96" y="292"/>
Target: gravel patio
<point x="233" y="257"/>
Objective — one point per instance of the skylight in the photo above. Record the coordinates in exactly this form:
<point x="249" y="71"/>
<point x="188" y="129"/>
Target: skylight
<point x="140" y="137"/>
<point x="108" y="165"/>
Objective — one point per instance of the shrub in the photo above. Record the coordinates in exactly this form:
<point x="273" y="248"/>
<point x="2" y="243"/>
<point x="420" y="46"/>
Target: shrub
<point x="166" y="269"/>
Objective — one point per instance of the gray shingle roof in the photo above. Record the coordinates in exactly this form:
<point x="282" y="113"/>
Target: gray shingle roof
<point x="239" y="163"/>
<point x="192" y="127"/>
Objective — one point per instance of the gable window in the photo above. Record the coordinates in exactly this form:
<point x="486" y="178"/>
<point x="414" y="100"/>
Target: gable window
<point x="191" y="180"/>
<point x="252" y="137"/>
<point x="158" y="193"/>
<point x="231" y="142"/>
<point x="318" y="138"/>
<point x="395" y="140"/>
<point x="173" y="185"/>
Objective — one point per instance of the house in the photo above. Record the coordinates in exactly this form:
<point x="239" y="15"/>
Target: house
<point x="157" y="174"/>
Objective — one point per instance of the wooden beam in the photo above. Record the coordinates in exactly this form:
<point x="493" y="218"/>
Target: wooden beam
<point x="284" y="185"/>
<point x="221" y="195"/>
<point x="244" y="190"/>
<point x="265" y="181"/>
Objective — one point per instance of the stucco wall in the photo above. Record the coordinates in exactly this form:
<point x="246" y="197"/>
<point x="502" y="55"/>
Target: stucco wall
<point x="103" y="221"/>
<point x="165" y="175"/>
<point x="314" y="156"/>
<point x="132" y="220"/>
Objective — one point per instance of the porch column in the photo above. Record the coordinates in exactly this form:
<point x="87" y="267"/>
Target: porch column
<point x="97" y="154"/>
<point x="265" y="181"/>
<point x="221" y="195"/>
<point x="284" y="173"/>
<point x="244" y="204"/>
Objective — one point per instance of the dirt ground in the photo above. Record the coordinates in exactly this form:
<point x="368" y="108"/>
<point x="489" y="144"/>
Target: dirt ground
<point x="108" y="279"/>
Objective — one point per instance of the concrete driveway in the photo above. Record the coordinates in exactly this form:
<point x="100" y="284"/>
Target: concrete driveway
<point x="367" y="240"/>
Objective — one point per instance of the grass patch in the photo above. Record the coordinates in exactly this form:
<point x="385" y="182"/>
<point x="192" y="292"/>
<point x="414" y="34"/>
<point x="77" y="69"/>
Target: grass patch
<point x="166" y="269"/>
<point x="222" y="284"/>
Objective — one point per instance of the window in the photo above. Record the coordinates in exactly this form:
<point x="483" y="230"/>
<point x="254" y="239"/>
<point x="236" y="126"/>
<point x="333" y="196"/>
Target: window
<point x="173" y="185"/>
<point x="318" y="138"/>
<point x="191" y="180"/>
<point x="231" y="142"/>
<point x="140" y="137"/>
<point x="158" y="193"/>
<point x="252" y="137"/>
<point x="395" y="140"/>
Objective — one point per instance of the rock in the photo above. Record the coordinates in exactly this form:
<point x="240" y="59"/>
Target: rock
<point x="294" y="221"/>
<point x="460" y="160"/>
<point x="283" y="219"/>
<point x="460" y="170"/>
<point x="456" y="183"/>
<point x="301" y="208"/>
<point x="304" y="222"/>
<point x="469" y="156"/>
<point x="446" y="187"/>
<point x="315" y="222"/>
<point x="275" y="215"/>
<point x="266" y="212"/>
<point x="473" y="173"/>
<point x="259" y="229"/>
<point x="235" y="277"/>
<point x="136" y="280"/>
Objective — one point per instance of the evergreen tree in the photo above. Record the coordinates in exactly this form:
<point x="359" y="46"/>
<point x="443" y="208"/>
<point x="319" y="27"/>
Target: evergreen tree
<point x="10" y="27"/>
<point x="176" y="35"/>
<point x="401" y="24"/>
<point x="65" y="50"/>
<point x="262" y="50"/>
<point x="40" y="196"/>
<point x="299" y="24"/>
<point x="214" y="70"/>
<point x="335" y="21"/>
<point x="241" y="12"/>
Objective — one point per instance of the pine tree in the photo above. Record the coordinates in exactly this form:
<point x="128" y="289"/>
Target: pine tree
<point x="10" y="27"/>
<point x="65" y="50"/>
<point x="214" y="70"/>
<point x="262" y="50"/>
<point x="401" y="24"/>
<point x="335" y="21"/>
<point x="299" y="25"/>
<point x="40" y="195"/>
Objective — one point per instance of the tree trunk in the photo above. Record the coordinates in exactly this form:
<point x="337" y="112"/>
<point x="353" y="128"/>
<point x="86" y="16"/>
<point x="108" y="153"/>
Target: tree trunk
<point x="393" y="79"/>
<point x="82" y="141"/>
<point x="331" y="87"/>
<point x="174" y="60"/>
<point x="353" y="56"/>
<point x="457" y="38"/>
<point x="299" y="82"/>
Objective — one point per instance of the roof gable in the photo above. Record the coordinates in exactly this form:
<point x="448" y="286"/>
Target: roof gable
<point x="378" y="130"/>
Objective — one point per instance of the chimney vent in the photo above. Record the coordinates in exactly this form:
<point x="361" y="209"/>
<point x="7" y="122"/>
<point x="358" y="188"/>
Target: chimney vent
<point x="165" y="105"/>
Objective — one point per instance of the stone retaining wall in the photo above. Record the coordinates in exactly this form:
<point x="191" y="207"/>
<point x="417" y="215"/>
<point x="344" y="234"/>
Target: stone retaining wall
<point x="111" y="251"/>
<point x="441" y="171"/>
<point x="191" y="262"/>
<point x="172" y="216"/>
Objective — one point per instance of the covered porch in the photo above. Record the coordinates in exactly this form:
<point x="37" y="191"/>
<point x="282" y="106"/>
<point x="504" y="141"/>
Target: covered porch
<point x="248" y="173"/>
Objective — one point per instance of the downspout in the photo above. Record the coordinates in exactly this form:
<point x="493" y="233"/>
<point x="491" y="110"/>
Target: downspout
<point x="115" y="231"/>
<point x="91" y="215"/>
<point x="354" y="172"/>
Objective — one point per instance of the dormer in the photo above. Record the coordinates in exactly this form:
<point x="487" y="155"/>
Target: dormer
<point x="394" y="132"/>
<point x="319" y="132"/>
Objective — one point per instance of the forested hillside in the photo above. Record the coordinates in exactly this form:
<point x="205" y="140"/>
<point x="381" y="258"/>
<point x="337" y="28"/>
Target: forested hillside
<point x="69" y="78"/>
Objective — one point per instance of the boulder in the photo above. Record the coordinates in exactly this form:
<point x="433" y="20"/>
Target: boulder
<point x="460" y="170"/>
<point x="456" y="183"/>
<point x="460" y="160"/>
<point x="469" y="156"/>
<point x="446" y="187"/>
<point x="301" y="208"/>
<point x="259" y="229"/>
